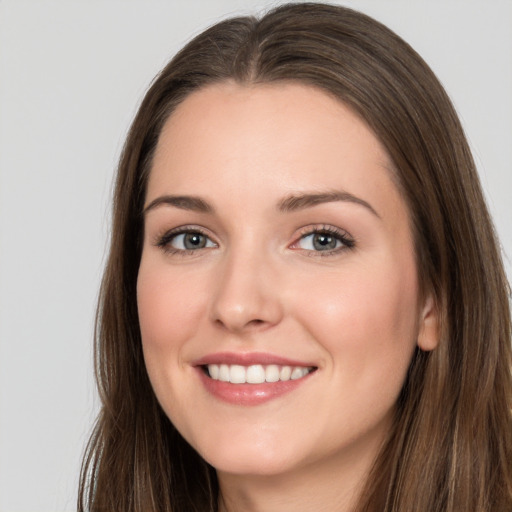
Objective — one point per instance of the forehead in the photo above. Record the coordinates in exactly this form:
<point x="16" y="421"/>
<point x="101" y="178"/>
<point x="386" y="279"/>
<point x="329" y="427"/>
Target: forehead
<point x="280" y="136"/>
<point x="303" y="115"/>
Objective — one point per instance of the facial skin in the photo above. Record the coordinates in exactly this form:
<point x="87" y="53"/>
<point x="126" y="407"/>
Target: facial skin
<point x="263" y="283"/>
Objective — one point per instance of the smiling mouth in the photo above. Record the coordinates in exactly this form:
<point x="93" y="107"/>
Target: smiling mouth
<point x="255" y="374"/>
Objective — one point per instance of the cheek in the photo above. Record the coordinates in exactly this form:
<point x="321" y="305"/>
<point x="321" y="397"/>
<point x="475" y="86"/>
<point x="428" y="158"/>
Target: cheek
<point x="366" y="318"/>
<point x="169" y="306"/>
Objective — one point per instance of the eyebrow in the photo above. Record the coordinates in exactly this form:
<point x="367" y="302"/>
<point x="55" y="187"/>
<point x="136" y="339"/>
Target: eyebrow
<point x="290" y="203"/>
<point x="191" y="203"/>
<point x="302" y="201"/>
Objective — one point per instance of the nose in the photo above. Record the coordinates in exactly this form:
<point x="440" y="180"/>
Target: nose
<point x="247" y="294"/>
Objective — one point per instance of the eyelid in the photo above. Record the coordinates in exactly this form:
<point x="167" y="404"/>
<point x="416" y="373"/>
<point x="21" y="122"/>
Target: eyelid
<point x="346" y="239"/>
<point x="164" y="238"/>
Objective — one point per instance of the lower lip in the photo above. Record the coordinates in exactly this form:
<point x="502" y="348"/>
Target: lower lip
<point x="249" y="394"/>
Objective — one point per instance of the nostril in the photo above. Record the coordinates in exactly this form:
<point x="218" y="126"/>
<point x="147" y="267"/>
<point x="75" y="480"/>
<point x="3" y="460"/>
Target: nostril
<point x="235" y="310"/>
<point x="256" y="324"/>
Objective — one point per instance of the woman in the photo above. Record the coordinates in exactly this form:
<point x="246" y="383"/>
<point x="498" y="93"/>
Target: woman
<point x="304" y="305"/>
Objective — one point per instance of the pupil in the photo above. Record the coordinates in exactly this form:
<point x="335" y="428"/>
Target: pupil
<point x="321" y="242"/>
<point x="194" y="241"/>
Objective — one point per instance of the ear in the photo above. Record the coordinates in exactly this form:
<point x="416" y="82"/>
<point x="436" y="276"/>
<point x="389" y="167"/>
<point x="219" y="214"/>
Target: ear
<point x="428" y="332"/>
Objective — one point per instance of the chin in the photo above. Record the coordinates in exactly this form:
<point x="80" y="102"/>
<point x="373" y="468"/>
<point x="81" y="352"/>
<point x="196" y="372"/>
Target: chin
<point x="263" y="458"/>
<point x="255" y="466"/>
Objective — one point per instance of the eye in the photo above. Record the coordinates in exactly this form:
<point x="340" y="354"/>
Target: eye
<point x="325" y="239"/>
<point x="183" y="240"/>
<point x="190" y="241"/>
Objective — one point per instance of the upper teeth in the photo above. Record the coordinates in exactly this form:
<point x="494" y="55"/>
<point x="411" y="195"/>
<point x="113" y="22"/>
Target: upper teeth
<point x="255" y="374"/>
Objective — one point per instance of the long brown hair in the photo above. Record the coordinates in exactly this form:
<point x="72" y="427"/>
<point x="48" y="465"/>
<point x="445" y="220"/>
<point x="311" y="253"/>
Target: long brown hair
<point x="450" y="448"/>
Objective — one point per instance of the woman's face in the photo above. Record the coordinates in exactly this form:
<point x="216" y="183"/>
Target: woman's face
<point x="277" y="291"/>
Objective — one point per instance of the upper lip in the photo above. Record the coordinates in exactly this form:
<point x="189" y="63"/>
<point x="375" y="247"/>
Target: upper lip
<point x="248" y="359"/>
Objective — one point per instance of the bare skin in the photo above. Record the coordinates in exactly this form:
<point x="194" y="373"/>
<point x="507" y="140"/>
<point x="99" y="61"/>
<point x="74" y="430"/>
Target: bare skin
<point x="274" y="232"/>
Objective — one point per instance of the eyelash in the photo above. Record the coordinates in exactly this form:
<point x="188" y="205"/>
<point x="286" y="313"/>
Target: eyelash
<point x="164" y="241"/>
<point x="346" y="240"/>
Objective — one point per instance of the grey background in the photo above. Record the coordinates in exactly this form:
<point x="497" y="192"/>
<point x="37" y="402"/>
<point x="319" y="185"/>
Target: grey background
<point x="71" y="76"/>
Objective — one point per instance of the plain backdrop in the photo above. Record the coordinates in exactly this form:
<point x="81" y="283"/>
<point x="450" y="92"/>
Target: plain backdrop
<point x="71" y="76"/>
